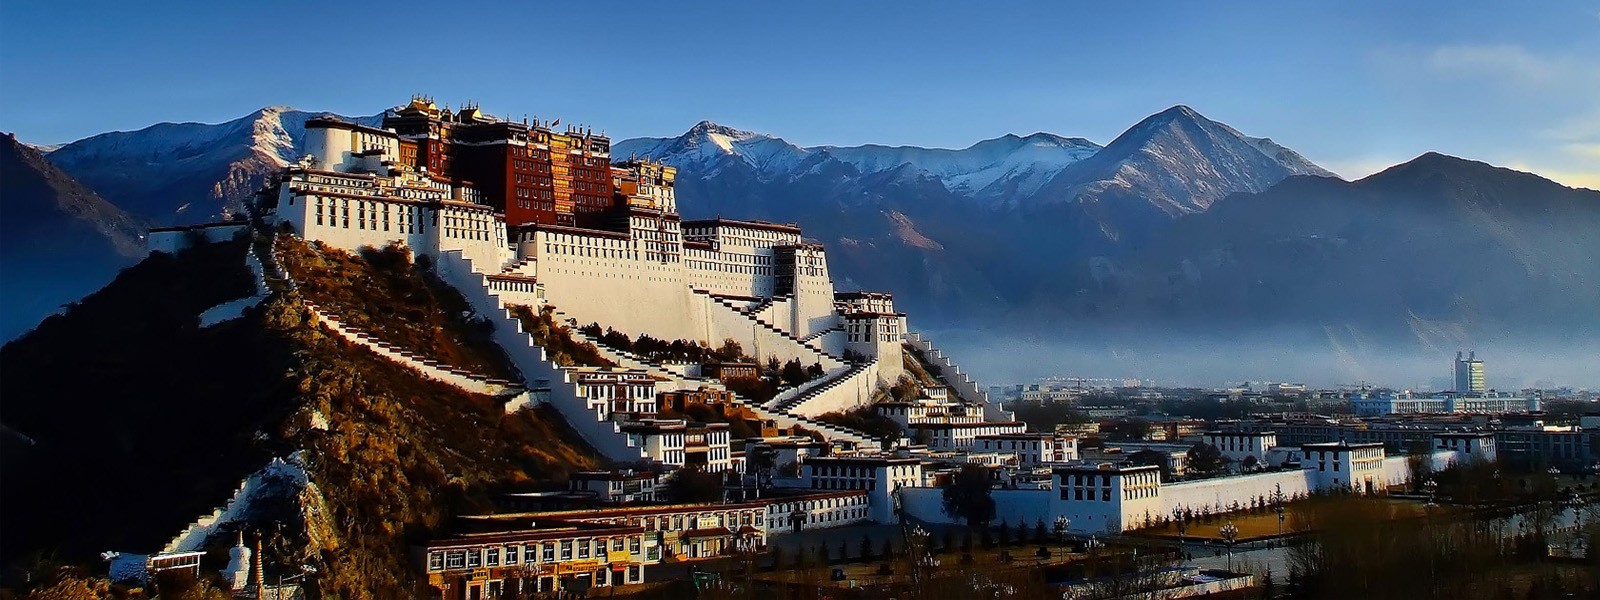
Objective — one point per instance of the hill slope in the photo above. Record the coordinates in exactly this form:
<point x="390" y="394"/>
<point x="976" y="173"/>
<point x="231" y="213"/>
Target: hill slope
<point x="168" y="416"/>
<point x="1436" y="252"/>
<point x="58" y="241"/>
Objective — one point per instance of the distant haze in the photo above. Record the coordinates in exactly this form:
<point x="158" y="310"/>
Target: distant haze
<point x="1180" y="362"/>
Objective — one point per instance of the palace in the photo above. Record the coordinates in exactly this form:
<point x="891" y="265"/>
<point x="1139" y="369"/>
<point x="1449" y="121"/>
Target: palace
<point x="546" y="218"/>
<point x="521" y="215"/>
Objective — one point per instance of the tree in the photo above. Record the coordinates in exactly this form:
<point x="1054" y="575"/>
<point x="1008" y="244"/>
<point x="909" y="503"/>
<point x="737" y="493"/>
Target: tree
<point x="969" y="496"/>
<point x="730" y="351"/>
<point x="793" y="373"/>
<point x="693" y="484"/>
<point x="1204" y="458"/>
<point x="1153" y="458"/>
<point x="866" y="548"/>
<point x="763" y="459"/>
<point x="1250" y="463"/>
<point x="814" y="371"/>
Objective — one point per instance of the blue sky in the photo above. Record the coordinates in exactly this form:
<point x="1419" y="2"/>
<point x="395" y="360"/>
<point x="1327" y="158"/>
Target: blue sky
<point x="1353" y="85"/>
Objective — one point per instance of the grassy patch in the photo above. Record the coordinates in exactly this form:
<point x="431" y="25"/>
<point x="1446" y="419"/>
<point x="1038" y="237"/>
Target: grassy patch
<point x="384" y="293"/>
<point x="557" y="339"/>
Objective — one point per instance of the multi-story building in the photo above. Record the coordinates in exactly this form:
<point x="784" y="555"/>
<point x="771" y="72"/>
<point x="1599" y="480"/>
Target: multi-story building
<point x="956" y="436"/>
<point x="1031" y="449"/>
<point x="663" y="440"/>
<point x="705" y="445"/>
<point x="619" y="486"/>
<point x="878" y="475"/>
<point x="1469" y="374"/>
<point x="680" y="531"/>
<point x="1383" y="403"/>
<point x="1105" y="497"/>
<point x="804" y="510"/>
<point x="1239" y="445"/>
<point x="508" y="560"/>
<point x="1345" y="465"/>
<point x="615" y="392"/>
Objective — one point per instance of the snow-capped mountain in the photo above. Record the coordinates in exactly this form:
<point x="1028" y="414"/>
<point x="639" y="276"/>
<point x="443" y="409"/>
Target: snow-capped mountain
<point x="181" y="173"/>
<point x="995" y="169"/>
<point x="1178" y="161"/>
<point x="990" y="169"/>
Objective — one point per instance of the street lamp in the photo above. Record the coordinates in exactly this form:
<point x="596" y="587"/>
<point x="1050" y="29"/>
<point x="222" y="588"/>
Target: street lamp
<point x="1433" y="488"/>
<point x="1230" y="533"/>
<point x="1062" y="523"/>
<point x="1279" y="509"/>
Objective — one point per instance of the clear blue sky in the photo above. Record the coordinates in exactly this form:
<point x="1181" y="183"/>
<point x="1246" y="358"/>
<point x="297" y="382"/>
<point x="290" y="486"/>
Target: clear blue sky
<point x="1354" y="85"/>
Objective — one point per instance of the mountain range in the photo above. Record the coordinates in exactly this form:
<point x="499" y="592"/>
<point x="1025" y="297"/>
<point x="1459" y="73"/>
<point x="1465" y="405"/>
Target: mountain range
<point x="59" y="240"/>
<point x="1180" y="222"/>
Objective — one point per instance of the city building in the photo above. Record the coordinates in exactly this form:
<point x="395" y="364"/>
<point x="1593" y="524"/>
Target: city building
<point x="879" y="475"/>
<point x="620" y="486"/>
<point x="1469" y="376"/>
<point x="959" y="436"/>
<point x="1031" y="449"/>
<point x="502" y="559"/>
<point x="1238" y="445"/>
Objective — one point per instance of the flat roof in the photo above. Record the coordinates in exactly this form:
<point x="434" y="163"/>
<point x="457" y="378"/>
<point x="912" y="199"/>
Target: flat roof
<point x="860" y="459"/>
<point x="721" y="222"/>
<point x="1105" y="467"/>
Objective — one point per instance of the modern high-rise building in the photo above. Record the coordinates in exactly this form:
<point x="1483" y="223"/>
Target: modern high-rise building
<point x="1469" y="374"/>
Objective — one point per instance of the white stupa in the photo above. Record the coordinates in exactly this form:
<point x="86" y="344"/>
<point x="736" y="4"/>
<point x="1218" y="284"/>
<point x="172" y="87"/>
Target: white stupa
<point x="238" y="570"/>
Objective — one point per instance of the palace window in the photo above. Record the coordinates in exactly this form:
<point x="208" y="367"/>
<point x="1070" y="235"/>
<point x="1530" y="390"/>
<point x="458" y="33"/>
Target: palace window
<point x="435" y="561"/>
<point x="455" y="559"/>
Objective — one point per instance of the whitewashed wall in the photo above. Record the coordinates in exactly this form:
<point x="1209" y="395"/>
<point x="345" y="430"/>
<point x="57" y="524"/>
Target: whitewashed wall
<point x="534" y="364"/>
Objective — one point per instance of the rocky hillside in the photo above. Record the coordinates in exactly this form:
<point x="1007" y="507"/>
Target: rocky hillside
<point x="166" y="417"/>
<point x="59" y="239"/>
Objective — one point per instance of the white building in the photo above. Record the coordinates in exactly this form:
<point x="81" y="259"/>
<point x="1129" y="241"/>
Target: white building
<point x="1106" y="497"/>
<point x="617" y="392"/>
<point x="618" y="486"/>
<point x="879" y="475"/>
<point x="1358" y="467"/>
<point x="1031" y="449"/>
<point x="661" y="439"/>
<point x="946" y="436"/>
<point x="708" y="447"/>
<point x="1374" y="404"/>
<point x="1238" y="445"/>
<point x="1474" y="445"/>
<point x="810" y="510"/>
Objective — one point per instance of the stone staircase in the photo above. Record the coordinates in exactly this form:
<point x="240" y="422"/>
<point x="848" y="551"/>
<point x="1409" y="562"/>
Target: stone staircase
<point x="812" y="339"/>
<point x="461" y="378"/>
<point x="796" y="403"/>
<point x="823" y="357"/>
<point x="951" y="373"/>
<point x="458" y="377"/>
<point x="688" y="382"/>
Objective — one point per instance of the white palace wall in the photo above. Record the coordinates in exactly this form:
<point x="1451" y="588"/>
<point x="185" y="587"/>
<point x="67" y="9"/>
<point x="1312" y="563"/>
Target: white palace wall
<point x="534" y="364"/>
<point x="1220" y="493"/>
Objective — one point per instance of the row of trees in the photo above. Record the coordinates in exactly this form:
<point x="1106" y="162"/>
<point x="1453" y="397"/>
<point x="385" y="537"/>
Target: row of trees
<point x="659" y="350"/>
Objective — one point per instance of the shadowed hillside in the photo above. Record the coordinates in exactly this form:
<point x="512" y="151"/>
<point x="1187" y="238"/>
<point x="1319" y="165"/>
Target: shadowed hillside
<point x="158" y="419"/>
